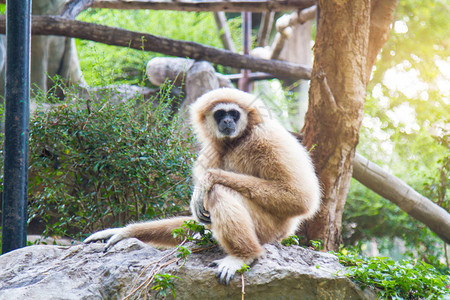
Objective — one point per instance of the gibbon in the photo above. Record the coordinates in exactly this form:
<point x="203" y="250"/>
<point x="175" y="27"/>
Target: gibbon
<point x="254" y="182"/>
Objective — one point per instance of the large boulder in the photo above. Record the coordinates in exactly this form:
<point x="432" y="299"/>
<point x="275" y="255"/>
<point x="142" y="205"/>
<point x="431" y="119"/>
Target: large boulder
<point x="85" y="272"/>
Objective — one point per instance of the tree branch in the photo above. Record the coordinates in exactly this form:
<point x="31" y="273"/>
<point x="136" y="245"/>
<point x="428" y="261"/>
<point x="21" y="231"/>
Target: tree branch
<point x="74" y="7"/>
<point x="402" y="195"/>
<point x="51" y="25"/>
<point x="224" y="30"/>
<point x="209" y="5"/>
<point x="381" y="17"/>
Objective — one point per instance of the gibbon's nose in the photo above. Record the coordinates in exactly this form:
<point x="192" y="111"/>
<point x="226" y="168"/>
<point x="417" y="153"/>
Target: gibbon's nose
<point x="228" y="122"/>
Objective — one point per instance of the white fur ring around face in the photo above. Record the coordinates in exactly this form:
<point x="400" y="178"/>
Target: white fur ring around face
<point x="227" y="267"/>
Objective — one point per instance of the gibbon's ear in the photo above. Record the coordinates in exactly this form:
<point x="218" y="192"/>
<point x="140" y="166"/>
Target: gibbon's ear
<point x="249" y="103"/>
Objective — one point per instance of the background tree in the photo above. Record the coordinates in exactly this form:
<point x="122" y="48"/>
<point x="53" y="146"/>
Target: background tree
<point x="349" y="36"/>
<point x="405" y="131"/>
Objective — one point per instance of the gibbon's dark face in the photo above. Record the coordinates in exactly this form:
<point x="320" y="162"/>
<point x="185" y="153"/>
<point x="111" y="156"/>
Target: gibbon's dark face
<point x="227" y="121"/>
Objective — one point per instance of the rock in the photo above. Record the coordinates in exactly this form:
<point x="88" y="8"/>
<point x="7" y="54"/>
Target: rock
<point x="199" y="77"/>
<point x="120" y="93"/>
<point x="85" y="272"/>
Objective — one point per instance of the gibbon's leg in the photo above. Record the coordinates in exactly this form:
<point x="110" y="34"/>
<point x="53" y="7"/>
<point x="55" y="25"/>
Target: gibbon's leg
<point x="233" y="228"/>
<point x="277" y="197"/>
<point x="157" y="233"/>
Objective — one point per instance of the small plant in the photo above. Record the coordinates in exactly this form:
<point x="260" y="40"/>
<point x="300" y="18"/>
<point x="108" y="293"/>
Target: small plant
<point x="316" y="245"/>
<point x="164" y="283"/>
<point x="194" y="232"/>
<point x="291" y="240"/>
<point x="183" y="252"/>
<point x="404" y="279"/>
<point x="243" y="269"/>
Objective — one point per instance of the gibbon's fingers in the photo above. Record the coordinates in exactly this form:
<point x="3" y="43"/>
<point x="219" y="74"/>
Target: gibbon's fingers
<point x="227" y="267"/>
<point x="198" y="210"/>
<point x="113" y="235"/>
<point x="102" y="235"/>
<point x="203" y="214"/>
<point x="115" y="239"/>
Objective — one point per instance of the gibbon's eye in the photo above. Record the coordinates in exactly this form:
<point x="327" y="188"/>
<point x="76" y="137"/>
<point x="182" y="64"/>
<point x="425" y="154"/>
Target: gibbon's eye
<point x="219" y="115"/>
<point x="234" y="114"/>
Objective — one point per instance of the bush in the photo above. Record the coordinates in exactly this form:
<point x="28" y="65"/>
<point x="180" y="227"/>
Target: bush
<point x="100" y="164"/>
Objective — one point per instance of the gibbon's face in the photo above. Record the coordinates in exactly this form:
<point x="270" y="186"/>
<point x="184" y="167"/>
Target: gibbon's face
<point x="230" y="119"/>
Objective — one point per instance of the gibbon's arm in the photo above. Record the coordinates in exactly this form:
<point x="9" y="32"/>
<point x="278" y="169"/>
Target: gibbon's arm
<point x="275" y="196"/>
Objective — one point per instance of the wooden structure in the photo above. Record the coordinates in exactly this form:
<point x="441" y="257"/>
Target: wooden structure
<point x="65" y="25"/>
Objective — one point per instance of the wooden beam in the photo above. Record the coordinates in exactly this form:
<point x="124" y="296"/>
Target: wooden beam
<point x="51" y="25"/>
<point x="211" y="5"/>
<point x="224" y="30"/>
<point x="398" y="192"/>
<point x="73" y="8"/>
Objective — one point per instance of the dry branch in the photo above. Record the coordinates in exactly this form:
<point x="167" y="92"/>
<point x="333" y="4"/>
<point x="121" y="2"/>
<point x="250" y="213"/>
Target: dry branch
<point x="51" y="25"/>
<point x="265" y="28"/>
<point x="74" y="7"/>
<point x="284" y="28"/>
<point x="224" y="30"/>
<point x="211" y="5"/>
<point x="402" y="195"/>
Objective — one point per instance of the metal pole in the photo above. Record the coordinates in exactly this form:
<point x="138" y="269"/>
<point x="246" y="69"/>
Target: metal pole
<point x="17" y="97"/>
<point x="244" y="83"/>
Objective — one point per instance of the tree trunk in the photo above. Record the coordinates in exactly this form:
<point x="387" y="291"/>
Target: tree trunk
<point x="336" y="103"/>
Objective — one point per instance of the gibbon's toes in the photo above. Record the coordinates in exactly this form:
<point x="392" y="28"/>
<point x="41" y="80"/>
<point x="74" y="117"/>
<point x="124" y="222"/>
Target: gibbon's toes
<point x="227" y="267"/>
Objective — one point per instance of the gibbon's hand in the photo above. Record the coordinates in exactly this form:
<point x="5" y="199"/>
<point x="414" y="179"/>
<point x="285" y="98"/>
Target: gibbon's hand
<point x="113" y="235"/>
<point x="197" y="207"/>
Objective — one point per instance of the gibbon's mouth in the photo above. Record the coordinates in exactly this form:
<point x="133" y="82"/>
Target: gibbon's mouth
<point x="227" y="131"/>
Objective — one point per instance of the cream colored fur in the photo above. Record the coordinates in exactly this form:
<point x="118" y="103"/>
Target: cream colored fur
<point x="258" y="184"/>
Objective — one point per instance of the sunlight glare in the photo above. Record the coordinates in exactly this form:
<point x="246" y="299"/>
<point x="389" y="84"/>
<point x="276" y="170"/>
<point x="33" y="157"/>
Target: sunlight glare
<point x="400" y="27"/>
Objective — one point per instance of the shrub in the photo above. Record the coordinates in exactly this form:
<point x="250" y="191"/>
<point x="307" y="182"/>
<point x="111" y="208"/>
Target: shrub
<point x="404" y="279"/>
<point x="99" y="164"/>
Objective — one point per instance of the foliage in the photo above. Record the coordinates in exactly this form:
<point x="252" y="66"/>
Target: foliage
<point x="194" y="232"/>
<point x="98" y="163"/>
<point x="299" y="241"/>
<point x="404" y="129"/>
<point x="164" y="283"/>
<point x="291" y="240"/>
<point x="99" y="61"/>
<point x="404" y="279"/>
<point x="243" y="269"/>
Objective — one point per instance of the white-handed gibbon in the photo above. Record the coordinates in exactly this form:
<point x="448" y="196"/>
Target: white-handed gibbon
<point x="254" y="182"/>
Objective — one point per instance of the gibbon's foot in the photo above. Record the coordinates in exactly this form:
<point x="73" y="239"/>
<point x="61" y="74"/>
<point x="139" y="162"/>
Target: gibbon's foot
<point x="113" y="235"/>
<point x="227" y="267"/>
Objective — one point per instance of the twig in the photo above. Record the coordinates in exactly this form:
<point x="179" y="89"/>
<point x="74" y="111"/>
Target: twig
<point x="243" y="286"/>
<point x="446" y="254"/>
<point x="154" y="271"/>
<point x="329" y="97"/>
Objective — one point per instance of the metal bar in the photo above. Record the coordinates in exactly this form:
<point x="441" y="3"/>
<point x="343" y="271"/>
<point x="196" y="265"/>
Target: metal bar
<point x="17" y="97"/>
